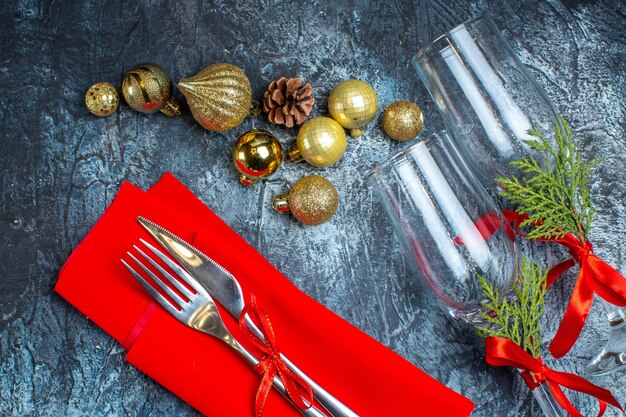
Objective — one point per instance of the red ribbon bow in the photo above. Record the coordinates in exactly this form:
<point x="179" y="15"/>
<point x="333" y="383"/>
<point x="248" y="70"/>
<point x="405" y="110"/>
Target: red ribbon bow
<point x="595" y="277"/>
<point x="271" y="364"/>
<point x="504" y="352"/>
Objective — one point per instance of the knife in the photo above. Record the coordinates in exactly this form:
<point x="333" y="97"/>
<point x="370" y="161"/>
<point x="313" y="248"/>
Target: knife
<point x="225" y="289"/>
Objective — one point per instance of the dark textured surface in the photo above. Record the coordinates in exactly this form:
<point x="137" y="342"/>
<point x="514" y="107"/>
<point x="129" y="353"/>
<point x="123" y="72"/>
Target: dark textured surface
<point x="60" y="168"/>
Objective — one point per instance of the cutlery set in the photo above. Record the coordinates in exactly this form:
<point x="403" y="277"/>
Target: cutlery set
<point x="200" y="283"/>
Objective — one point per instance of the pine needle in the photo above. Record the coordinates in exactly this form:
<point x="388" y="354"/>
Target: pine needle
<point x="556" y="196"/>
<point x="516" y="319"/>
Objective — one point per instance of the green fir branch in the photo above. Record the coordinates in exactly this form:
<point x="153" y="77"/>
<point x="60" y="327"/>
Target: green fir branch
<point x="516" y="319"/>
<point x="555" y="195"/>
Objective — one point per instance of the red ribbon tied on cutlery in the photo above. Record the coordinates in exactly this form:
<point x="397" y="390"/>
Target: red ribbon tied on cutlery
<point x="504" y="352"/>
<point x="595" y="277"/>
<point x="271" y="364"/>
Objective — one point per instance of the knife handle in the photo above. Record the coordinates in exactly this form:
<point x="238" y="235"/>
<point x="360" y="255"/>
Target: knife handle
<point x="312" y="411"/>
<point x="335" y="407"/>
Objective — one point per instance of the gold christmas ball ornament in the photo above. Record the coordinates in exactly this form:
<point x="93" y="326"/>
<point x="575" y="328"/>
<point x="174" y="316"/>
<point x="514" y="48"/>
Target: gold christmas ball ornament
<point x="321" y="142"/>
<point x="353" y="103"/>
<point x="403" y="120"/>
<point x="147" y="88"/>
<point x="102" y="99"/>
<point x="257" y="155"/>
<point x="219" y="96"/>
<point x="312" y="200"/>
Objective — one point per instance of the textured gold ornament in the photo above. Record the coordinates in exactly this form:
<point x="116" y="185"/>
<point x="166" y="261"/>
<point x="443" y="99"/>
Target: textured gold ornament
<point x="321" y="142"/>
<point x="102" y="99"/>
<point x="353" y="103"/>
<point x="219" y="96"/>
<point x="147" y="88"/>
<point x="403" y="120"/>
<point x="257" y="155"/>
<point x="312" y="200"/>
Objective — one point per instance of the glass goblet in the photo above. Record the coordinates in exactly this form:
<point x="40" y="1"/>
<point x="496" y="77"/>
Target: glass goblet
<point x="488" y="102"/>
<point x="448" y="226"/>
<point x="450" y="231"/>
<point x="486" y="97"/>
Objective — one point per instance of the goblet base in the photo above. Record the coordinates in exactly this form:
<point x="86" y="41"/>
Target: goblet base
<point x="612" y="357"/>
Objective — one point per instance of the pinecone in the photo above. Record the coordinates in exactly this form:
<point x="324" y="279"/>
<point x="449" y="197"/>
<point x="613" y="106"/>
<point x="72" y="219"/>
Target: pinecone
<point x="287" y="101"/>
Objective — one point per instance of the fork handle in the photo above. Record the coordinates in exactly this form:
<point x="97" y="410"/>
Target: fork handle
<point x="335" y="407"/>
<point x="312" y="411"/>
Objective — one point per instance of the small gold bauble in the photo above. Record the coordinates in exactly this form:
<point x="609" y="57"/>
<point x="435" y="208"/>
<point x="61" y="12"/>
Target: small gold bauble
<point x="403" y="120"/>
<point x="102" y="99"/>
<point x="312" y="200"/>
<point x="321" y="142"/>
<point x="219" y="96"/>
<point x="257" y="155"/>
<point x="353" y="103"/>
<point x="147" y="88"/>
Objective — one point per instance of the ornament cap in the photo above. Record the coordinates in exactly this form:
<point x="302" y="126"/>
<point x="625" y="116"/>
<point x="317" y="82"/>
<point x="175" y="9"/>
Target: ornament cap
<point x="355" y="133"/>
<point x="247" y="181"/>
<point x="183" y="86"/>
<point x="255" y="109"/>
<point x="171" y="108"/>
<point x="281" y="203"/>
<point x="293" y="154"/>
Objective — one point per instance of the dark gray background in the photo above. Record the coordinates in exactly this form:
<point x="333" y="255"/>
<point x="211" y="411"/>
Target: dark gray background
<point x="60" y="168"/>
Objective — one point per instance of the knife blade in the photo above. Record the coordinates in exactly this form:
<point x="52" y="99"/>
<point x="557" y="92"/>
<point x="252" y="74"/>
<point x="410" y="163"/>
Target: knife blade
<point x="220" y="283"/>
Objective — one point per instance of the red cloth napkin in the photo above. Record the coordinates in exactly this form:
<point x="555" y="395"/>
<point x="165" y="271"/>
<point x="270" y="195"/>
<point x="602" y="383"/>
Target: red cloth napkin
<point x="204" y="372"/>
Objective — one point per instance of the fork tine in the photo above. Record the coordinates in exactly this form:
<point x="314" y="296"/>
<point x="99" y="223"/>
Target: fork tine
<point x="180" y="287"/>
<point x="181" y="272"/>
<point x="165" y="303"/>
<point x="177" y="299"/>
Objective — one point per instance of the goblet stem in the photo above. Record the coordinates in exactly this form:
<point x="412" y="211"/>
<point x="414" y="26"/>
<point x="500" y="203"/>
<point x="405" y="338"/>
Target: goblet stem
<point x="546" y="401"/>
<point x="612" y="357"/>
<point x="613" y="312"/>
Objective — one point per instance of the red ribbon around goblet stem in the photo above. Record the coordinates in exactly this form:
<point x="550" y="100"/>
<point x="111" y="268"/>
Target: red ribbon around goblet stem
<point x="271" y="364"/>
<point x="504" y="352"/>
<point x="595" y="277"/>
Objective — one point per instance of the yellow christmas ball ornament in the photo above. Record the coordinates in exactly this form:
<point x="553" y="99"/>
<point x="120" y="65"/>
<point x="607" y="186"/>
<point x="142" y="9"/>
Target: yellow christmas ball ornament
<point x="102" y="99"/>
<point x="321" y="142"/>
<point x="353" y="103"/>
<point x="219" y="96"/>
<point x="147" y="88"/>
<point x="257" y="155"/>
<point x="403" y="120"/>
<point x="312" y="200"/>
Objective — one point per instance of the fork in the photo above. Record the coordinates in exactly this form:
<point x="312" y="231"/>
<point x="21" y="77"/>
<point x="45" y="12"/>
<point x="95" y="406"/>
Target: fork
<point x="198" y="311"/>
<point x="226" y="292"/>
